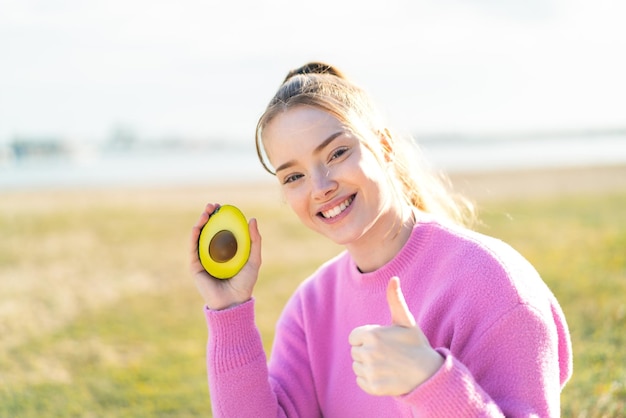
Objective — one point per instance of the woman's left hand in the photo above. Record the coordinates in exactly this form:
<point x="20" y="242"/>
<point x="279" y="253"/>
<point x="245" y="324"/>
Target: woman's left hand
<point x="393" y="360"/>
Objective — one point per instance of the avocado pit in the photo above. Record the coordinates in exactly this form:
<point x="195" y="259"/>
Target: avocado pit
<point x="223" y="246"/>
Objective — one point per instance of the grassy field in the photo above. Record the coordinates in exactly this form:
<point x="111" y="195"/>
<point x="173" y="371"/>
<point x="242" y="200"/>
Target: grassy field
<point x="99" y="317"/>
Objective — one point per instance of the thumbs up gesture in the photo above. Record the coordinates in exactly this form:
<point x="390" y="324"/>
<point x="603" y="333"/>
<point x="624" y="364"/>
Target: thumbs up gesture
<point x="392" y="360"/>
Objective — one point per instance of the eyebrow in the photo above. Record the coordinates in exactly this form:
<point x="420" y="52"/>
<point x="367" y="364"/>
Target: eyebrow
<point x="317" y="150"/>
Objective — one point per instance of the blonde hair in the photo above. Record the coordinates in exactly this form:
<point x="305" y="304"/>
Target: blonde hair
<point x="324" y="87"/>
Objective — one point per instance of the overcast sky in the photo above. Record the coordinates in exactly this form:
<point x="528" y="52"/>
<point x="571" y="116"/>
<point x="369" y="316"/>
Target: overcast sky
<point x="78" y="69"/>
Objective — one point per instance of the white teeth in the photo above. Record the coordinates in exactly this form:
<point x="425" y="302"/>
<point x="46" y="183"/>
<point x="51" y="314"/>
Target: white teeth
<point x="337" y="209"/>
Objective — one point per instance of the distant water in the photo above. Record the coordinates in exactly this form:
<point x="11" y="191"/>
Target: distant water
<point x="131" y="168"/>
<point x="527" y="153"/>
<point x="178" y="166"/>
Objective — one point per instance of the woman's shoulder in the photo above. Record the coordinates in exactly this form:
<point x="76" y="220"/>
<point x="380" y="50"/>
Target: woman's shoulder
<point x="484" y="264"/>
<point x="470" y="245"/>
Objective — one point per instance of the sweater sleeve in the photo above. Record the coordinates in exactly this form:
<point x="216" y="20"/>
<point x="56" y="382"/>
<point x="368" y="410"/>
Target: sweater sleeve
<point x="239" y="380"/>
<point x="513" y="372"/>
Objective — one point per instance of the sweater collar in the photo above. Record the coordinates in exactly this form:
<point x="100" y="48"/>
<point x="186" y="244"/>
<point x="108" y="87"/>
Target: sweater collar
<point x="377" y="280"/>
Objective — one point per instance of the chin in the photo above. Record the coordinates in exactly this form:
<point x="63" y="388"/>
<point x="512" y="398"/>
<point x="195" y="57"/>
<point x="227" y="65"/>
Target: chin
<point x="343" y="239"/>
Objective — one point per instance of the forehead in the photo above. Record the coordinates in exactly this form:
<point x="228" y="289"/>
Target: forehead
<point x="300" y="121"/>
<point x="300" y="128"/>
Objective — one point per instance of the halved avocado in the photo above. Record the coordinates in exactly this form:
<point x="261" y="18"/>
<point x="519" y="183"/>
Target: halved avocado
<point x="224" y="244"/>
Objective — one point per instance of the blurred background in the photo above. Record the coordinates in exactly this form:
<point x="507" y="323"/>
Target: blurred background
<point x="120" y="119"/>
<point x="114" y="92"/>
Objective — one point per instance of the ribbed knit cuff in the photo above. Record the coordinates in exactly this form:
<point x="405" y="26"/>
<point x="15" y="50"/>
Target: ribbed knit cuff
<point x="451" y="391"/>
<point x="234" y="340"/>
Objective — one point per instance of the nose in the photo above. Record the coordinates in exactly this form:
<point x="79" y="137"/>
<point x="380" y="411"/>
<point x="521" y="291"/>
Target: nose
<point x="323" y="184"/>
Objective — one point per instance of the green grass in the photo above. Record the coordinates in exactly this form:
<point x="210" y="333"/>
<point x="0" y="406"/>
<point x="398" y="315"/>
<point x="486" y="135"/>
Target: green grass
<point x="578" y="244"/>
<point x="99" y="316"/>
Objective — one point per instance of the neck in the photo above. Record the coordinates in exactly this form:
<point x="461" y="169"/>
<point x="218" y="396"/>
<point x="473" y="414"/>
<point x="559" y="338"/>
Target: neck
<point x="383" y="241"/>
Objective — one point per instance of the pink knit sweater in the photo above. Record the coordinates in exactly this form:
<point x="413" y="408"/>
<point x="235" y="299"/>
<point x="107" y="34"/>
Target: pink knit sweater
<point x="482" y="306"/>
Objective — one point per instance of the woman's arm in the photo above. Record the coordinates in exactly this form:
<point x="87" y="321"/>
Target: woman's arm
<point x="239" y="380"/>
<point x="513" y="371"/>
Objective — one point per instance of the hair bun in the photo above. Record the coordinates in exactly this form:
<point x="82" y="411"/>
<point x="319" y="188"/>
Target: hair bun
<point x="315" y="67"/>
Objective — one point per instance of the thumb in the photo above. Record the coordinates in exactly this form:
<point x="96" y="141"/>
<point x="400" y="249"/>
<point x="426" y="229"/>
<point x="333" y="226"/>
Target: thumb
<point x="400" y="314"/>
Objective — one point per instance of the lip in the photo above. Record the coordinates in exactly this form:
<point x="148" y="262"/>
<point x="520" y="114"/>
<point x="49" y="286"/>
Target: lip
<point x="334" y="204"/>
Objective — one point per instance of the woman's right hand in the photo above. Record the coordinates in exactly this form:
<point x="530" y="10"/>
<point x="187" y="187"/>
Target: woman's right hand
<point x="221" y="294"/>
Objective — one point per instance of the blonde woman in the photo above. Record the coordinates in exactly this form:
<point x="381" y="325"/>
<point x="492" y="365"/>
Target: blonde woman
<point x="419" y="316"/>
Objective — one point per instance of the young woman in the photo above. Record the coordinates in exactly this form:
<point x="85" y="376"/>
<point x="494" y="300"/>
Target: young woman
<point x="473" y="331"/>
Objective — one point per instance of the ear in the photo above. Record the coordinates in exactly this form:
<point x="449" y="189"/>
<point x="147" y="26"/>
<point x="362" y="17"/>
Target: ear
<point x="385" y="142"/>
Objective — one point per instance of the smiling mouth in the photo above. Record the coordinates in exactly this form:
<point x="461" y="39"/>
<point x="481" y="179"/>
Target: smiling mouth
<point x="331" y="213"/>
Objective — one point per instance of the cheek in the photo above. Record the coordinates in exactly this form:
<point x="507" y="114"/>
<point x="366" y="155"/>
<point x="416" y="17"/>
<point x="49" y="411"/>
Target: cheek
<point x="369" y="171"/>
<point x="375" y="179"/>
<point x="297" y="202"/>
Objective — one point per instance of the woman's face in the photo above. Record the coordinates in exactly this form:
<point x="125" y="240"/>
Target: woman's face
<point x="332" y="181"/>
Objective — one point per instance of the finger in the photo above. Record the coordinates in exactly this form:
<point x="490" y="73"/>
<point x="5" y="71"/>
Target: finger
<point x="362" y="383"/>
<point x="400" y="314"/>
<point x="211" y="207"/>
<point x="195" y="234"/>
<point x="360" y="374"/>
<point x="202" y="220"/>
<point x="356" y="352"/>
<point x="195" y="231"/>
<point x="360" y="335"/>
<point x="255" y="242"/>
